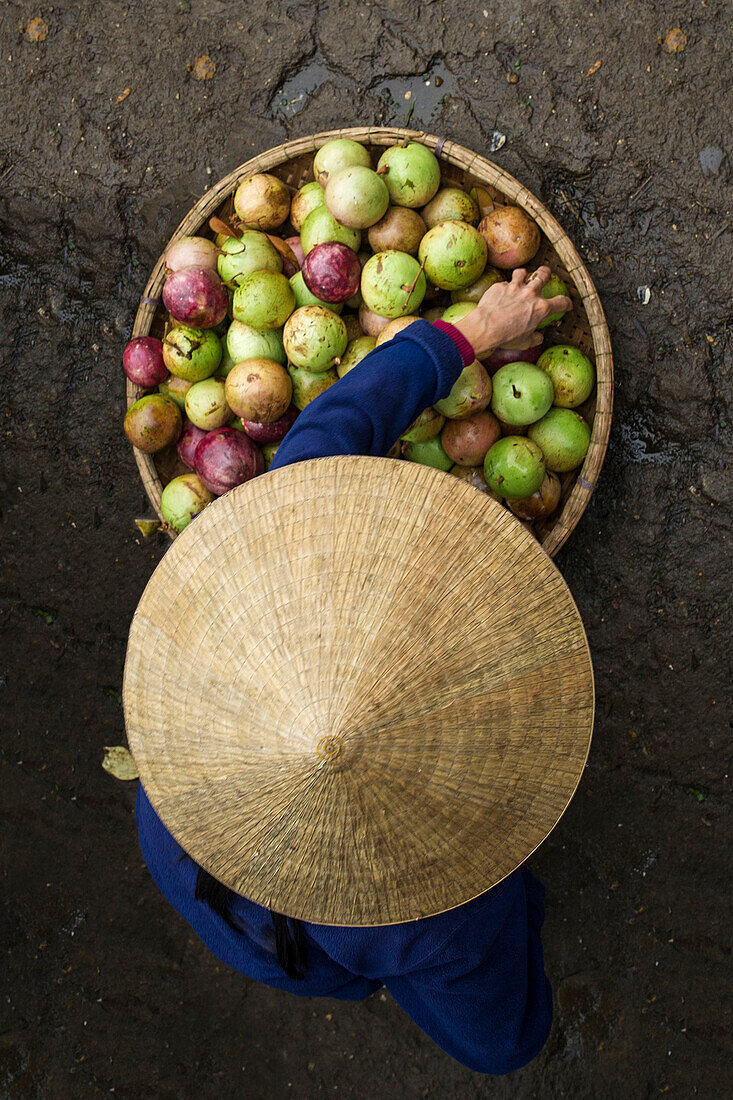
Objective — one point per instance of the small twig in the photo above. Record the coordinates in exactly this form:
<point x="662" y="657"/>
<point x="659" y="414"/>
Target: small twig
<point x="640" y="189"/>
<point x="414" y="284"/>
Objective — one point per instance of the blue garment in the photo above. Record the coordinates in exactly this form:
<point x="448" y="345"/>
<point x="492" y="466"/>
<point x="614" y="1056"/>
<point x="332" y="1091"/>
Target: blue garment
<point x="472" y="978"/>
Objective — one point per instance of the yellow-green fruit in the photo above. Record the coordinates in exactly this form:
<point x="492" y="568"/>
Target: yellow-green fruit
<point x="458" y="311"/>
<point x="337" y="154"/>
<point x="571" y="373"/>
<point x="430" y="453"/>
<point x="475" y="292"/>
<point x="307" y="386"/>
<point x="252" y="251"/>
<point x="314" y="338"/>
<point x="304" y="201"/>
<point x="451" y="205"/>
<point x="428" y="424"/>
<point x="411" y="172"/>
<point x="564" y="438"/>
<point x="269" y="450"/>
<point x="394" y="327"/>
<point x="514" y="467"/>
<point x="356" y="350"/>
<point x="206" y="404"/>
<point x="454" y="255"/>
<point x="264" y="300"/>
<point x="470" y="394"/>
<point x="392" y="284"/>
<point x="182" y="499"/>
<point x="357" y="196"/>
<point x="320" y="227"/>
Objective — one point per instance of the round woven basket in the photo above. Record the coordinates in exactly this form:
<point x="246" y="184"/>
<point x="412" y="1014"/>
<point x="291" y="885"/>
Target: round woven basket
<point x="585" y="326"/>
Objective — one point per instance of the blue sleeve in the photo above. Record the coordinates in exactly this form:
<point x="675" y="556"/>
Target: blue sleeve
<point x="369" y="408"/>
<point x="486" y="999"/>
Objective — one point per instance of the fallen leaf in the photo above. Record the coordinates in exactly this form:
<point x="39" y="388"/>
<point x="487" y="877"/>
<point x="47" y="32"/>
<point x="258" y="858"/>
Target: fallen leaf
<point x="147" y="526"/>
<point x="124" y="95"/>
<point x="119" y="762"/>
<point x="594" y="68"/>
<point x="674" y="41"/>
<point x="36" y="30"/>
<point x="203" y="68"/>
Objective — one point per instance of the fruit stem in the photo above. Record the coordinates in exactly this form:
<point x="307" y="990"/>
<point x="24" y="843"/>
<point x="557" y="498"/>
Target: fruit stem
<point x="414" y="284"/>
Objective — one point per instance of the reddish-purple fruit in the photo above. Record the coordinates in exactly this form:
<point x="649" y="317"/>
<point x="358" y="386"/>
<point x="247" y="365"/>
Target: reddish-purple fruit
<point x="225" y="458"/>
<point x="189" y="440"/>
<point x="196" y="297"/>
<point x="142" y="361"/>
<point x="501" y="356"/>
<point x="153" y="422"/>
<point x="332" y="272"/>
<point x="272" y="432"/>
<point x="468" y="441"/>
<point x="372" y="323"/>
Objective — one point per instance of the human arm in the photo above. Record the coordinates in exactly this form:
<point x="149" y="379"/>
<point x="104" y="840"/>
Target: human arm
<point x="371" y="406"/>
<point x="484" y="996"/>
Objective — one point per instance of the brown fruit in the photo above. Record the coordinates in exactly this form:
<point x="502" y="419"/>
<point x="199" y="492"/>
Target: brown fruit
<point x="512" y="237"/>
<point x="153" y="422"/>
<point x="468" y="441"/>
<point x="542" y="503"/>
<point x="258" y="389"/>
<point x="400" y="228"/>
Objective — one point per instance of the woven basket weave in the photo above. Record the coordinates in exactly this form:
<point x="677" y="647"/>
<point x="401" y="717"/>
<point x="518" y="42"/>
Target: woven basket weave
<point x="585" y="326"/>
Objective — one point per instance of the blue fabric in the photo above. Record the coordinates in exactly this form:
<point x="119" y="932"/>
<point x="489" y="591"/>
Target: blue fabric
<point x="472" y="978"/>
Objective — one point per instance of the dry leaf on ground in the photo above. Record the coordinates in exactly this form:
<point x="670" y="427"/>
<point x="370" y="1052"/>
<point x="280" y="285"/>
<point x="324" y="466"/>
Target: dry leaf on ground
<point x="119" y="762"/>
<point x="674" y="41"/>
<point x="203" y="68"/>
<point x="35" y="30"/>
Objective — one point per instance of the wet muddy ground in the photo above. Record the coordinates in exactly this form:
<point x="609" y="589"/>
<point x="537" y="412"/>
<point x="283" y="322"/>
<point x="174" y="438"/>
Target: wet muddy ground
<point x="106" y="138"/>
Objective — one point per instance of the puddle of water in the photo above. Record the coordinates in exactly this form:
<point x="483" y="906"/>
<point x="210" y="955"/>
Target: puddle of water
<point x="640" y="444"/>
<point x="420" y="98"/>
<point x="293" y="95"/>
<point x="570" y="198"/>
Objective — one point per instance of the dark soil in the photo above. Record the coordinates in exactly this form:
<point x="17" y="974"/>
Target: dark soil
<point x="105" y="990"/>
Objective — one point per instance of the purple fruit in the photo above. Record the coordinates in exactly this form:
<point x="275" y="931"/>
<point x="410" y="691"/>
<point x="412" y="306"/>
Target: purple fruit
<point x="225" y="458"/>
<point x="501" y="356"/>
<point x="272" y="432"/>
<point x="142" y="361"/>
<point x="195" y="296"/>
<point x="189" y="440"/>
<point x="332" y="272"/>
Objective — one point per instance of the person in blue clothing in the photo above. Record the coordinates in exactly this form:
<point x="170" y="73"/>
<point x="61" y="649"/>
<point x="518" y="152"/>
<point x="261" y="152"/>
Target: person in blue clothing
<point x="473" y="977"/>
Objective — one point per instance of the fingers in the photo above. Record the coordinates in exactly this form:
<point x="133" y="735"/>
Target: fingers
<point x="560" y="304"/>
<point x="540" y="277"/>
<point x="519" y="276"/>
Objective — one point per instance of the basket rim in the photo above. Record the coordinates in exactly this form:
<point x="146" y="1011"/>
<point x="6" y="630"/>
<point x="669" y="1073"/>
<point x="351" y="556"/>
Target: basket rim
<point x="469" y="161"/>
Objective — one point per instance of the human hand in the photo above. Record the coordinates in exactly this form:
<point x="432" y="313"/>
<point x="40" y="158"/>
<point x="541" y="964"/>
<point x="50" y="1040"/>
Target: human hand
<point x="510" y="312"/>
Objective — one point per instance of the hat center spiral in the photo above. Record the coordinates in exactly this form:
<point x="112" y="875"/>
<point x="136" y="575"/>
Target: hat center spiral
<point x="330" y="747"/>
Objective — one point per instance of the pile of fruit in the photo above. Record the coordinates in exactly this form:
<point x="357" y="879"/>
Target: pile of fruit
<point x="296" y="289"/>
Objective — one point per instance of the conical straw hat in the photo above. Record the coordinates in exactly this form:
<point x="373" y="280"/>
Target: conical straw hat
<point x="357" y="691"/>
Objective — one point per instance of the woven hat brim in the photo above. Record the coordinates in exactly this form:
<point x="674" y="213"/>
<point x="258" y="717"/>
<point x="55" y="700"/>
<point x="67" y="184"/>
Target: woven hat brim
<point x="358" y="692"/>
